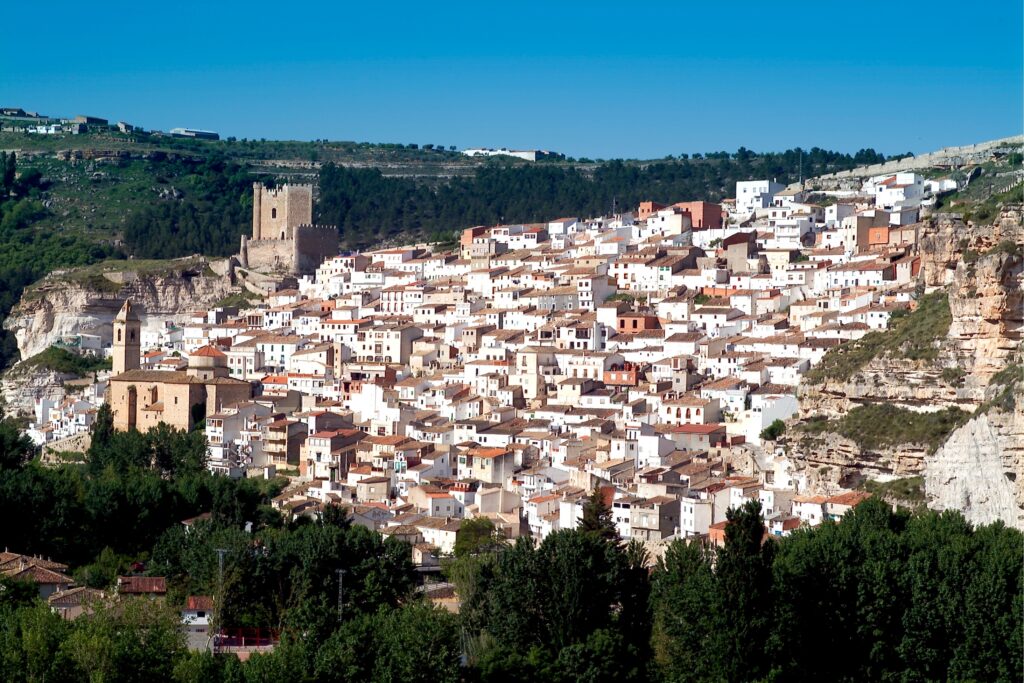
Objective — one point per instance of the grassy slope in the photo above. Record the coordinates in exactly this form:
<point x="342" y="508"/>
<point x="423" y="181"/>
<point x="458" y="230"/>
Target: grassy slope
<point x="911" y="336"/>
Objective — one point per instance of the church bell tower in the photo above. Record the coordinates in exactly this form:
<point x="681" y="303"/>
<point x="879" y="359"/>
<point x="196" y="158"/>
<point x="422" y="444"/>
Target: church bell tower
<point x="127" y="339"/>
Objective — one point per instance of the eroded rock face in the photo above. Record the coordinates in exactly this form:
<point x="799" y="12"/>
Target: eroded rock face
<point x="945" y="238"/>
<point x="987" y="306"/>
<point x="59" y="308"/>
<point x="831" y="462"/>
<point x="980" y="470"/>
<point x="22" y="388"/>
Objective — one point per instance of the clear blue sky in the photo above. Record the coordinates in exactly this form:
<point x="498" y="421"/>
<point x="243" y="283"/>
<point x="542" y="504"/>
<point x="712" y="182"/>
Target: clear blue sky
<point x="598" y="79"/>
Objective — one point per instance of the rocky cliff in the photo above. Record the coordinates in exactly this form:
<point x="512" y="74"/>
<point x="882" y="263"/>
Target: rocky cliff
<point x="978" y="469"/>
<point x="987" y="304"/>
<point x="85" y="301"/>
<point x="67" y="303"/>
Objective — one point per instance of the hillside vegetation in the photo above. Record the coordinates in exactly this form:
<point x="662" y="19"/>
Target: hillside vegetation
<point x="883" y="425"/>
<point x="911" y="335"/>
<point x="66" y="362"/>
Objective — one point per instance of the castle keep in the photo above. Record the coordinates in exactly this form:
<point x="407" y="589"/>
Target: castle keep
<point x="284" y="238"/>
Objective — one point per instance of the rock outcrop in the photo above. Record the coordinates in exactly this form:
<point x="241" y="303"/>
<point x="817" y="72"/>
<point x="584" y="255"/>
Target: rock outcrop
<point x="946" y="238"/>
<point x="986" y="302"/>
<point x="22" y="387"/>
<point x="829" y="462"/>
<point x="63" y="305"/>
<point x="980" y="470"/>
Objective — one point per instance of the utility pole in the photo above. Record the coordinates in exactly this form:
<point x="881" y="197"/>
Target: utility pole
<point x="341" y="591"/>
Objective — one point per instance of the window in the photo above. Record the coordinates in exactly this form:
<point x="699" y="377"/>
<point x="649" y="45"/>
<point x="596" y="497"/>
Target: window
<point x="273" y="213"/>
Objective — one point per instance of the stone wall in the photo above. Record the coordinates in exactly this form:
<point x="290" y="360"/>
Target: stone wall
<point x="269" y="255"/>
<point x="302" y="254"/>
<point x="312" y="245"/>
<point x="949" y="155"/>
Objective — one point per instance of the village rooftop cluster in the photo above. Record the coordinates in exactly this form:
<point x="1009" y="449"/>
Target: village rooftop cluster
<point x="644" y="354"/>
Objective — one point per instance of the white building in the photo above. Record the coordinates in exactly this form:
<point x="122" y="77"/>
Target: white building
<point x="755" y="194"/>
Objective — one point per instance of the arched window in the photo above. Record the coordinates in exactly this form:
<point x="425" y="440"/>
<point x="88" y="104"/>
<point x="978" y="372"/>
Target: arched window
<point x="119" y="335"/>
<point x="687" y="413"/>
<point x="273" y="213"/>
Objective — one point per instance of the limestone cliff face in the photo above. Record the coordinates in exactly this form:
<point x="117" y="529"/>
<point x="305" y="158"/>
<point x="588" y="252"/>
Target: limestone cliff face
<point x="19" y="390"/>
<point x="945" y="238"/>
<point x="980" y="470"/>
<point x="986" y="302"/>
<point x="61" y="306"/>
<point x="907" y="384"/>
<point x="829" y="461"/>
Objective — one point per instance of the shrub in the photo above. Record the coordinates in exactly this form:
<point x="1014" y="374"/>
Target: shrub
<point x="66" y="362"/>
<point x="884" y="425"/>
<point x="773" y="431"/>
<point x="911" y="335"/>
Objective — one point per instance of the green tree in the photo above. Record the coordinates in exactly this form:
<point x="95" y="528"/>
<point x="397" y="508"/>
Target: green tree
<point x="744" y="597"/>
<point x="138" y="640"/>
<point x="683" y="591"/>
<point x="597" y="517"/>
<point x="10" y="170"/>
<point x="477" y="535"/>
<point x="773" y="431"/>
<point x="15" y="448"/>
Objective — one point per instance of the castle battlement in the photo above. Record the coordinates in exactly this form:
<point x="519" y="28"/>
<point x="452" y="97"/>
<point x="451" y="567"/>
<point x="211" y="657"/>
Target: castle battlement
<point x="284" y="236"/>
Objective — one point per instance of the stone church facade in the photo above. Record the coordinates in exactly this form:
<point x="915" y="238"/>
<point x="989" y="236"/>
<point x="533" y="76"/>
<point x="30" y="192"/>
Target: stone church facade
<point x="142" y="399"/>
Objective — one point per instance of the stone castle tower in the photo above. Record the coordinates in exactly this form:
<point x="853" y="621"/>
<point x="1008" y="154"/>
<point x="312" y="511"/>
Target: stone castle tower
<point x="127" y="339"/>
<point x="277" y="212"/>
<point x="284" y="239"/>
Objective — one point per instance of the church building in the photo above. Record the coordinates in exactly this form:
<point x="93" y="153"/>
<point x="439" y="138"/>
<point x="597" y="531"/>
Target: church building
<point x="141" y="399"/>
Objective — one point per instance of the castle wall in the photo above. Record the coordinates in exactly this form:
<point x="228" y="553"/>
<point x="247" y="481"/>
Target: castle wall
<point x="270" y="255"/>
<point x="284" y="240"/>
<point x="313" y="244"/>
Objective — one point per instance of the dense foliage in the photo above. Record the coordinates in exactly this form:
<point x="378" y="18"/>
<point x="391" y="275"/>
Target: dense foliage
<point x="64" y="361"/>
<point x="368" y="206"/>
<point x="215" y="209"/>
<point x="27" y="254"/>
<point x="131" y="488"/>
<point x="881" y="595"/>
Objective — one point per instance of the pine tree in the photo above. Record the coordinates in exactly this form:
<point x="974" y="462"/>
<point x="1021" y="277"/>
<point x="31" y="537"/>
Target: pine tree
<point x="597" y="517"/>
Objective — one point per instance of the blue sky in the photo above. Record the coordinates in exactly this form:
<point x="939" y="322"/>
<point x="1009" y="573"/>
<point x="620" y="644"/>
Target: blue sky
<point x="598" y="79"/>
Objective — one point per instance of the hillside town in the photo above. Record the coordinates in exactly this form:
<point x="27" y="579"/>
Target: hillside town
<point x="653" y="355"/>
